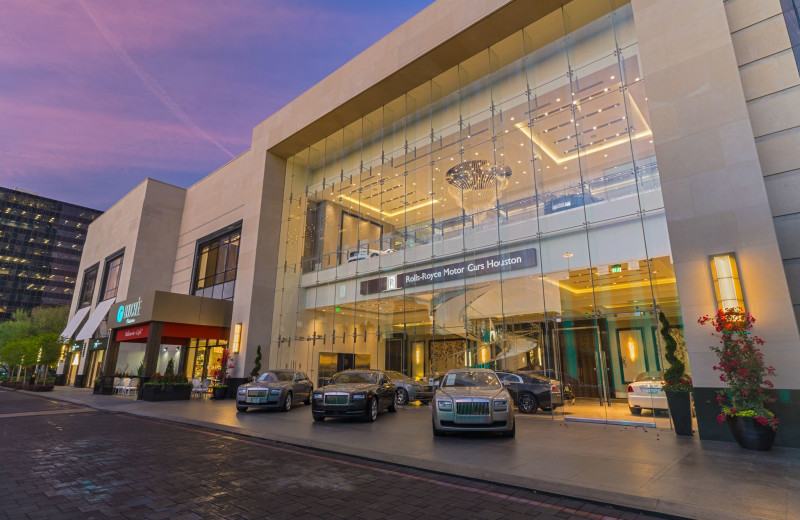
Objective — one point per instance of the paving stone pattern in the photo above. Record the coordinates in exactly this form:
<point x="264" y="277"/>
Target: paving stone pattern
<point x="105" y="465"/>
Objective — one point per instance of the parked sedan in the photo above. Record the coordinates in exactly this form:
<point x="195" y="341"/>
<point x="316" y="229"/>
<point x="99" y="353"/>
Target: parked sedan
<point x="409" y="389"/>
<point x="531" y="392"/>
<point x="472" y="399"/>
<point x="279" y="389"/>
<point x="354" y="393"/>
<point x="645" y="393"/>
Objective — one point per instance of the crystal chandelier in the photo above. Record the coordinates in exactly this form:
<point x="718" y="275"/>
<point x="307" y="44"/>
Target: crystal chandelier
<point x="476" y="186"/>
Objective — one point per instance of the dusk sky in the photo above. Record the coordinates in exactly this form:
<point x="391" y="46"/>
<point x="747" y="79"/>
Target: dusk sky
<point x="97" y="95"/>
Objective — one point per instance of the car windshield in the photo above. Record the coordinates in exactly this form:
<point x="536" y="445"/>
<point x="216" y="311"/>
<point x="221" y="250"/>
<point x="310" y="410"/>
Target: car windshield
<point x="396" y="376"/>
<point x="454" y="379"/>
<point x="649" y="376"/>
<point x="273" y="377"/>
<point x="353" y="377"/>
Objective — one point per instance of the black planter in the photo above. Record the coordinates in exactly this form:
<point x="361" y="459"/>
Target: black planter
<point x="219" y="393"/>
<point x="750" y="435"/>
<point x="158" y="393"/>
<point x="680" y="408"/>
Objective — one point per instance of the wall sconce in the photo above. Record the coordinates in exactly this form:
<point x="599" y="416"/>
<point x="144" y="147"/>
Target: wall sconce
<point x="237" y="337"/>
<point x="632" y="349"/>
<point x="727" y="286"/>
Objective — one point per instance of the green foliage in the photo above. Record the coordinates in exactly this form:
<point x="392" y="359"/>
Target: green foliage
<point x="256" y="363"/>
<point x="140" y="369"/>
<point x="20" y="351"/>
<point x="49" y="319"/>
<point x="170" y="370"/>
<point x="675" y="376"/>
<point x="50" y="347"/>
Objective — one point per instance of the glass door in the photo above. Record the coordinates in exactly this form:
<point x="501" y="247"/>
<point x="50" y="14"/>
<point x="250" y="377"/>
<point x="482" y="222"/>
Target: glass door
<point x="580" y="369"/>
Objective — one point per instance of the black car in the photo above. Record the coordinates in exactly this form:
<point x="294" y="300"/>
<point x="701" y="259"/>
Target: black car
<point x="354" y="393"/>
<point x="531" y="392"/>
<point x="278" y="389"/>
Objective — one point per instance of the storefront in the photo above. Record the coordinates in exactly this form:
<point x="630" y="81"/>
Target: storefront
<point x="152" y="330"/>
<point x="505" y="214"/>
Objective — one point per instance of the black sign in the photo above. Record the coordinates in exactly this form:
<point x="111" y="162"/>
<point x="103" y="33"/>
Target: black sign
<point x="456" y="271"/>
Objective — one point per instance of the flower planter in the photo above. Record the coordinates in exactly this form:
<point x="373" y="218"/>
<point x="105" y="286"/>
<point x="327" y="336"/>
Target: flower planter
<point x="680" y="408"/>
<point x="159" y="393"/>
<point x="219" y="393"/>
<point x="749" y="434"/>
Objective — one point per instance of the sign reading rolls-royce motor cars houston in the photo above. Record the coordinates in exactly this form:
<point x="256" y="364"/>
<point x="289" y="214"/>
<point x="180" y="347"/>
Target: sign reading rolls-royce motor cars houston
<point x="455" y="271"/>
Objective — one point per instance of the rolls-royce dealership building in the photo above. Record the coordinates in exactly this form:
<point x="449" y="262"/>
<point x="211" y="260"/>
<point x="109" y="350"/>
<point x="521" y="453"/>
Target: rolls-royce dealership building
<point x="510" y="184"/>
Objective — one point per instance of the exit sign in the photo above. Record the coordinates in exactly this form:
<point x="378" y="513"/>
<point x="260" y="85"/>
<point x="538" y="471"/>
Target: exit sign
<point x="616" y="268"/>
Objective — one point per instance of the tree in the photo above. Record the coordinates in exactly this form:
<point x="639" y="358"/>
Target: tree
<point x="49" y="350"/>
<point x="49" y="319"/>
<point x="675" y="375"/>
<point x="20" y="352"/>
<point x="256" y="363"/>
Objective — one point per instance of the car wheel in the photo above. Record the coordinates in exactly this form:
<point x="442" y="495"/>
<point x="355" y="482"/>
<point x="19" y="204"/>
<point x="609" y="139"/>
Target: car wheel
<point x="318" y="418"/>
<point x="241" y="408"/>
<point x="392" y="407"/>
<point x="402" y="396"/>
<point x="287" y="404"/>
<point x="437" y="432"/>
<point x="636" y="410"/>
<point x="512" y="432"/>
<point x="528" y="403"/>
<point x="372" y="411"/>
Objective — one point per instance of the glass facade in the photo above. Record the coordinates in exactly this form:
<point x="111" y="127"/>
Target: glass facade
<point x="505" y="214"/>
<point x="87" y="287"/>
<point x="41" y="241"/>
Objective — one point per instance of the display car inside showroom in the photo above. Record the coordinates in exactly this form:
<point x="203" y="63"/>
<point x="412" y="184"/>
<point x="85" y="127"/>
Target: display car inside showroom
<point x="509" y="194"/>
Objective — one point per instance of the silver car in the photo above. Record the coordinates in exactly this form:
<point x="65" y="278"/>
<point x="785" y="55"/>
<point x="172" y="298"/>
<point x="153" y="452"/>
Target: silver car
<point x="277" y="389"/>
<point x="472" y="400"/>
<point x="408" y="389"/>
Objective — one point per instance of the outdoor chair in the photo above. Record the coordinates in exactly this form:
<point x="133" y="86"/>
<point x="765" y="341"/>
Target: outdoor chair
<point x="124" y="382"/>
<point x="204" y="388"/>
<point x="133" y="384"/>
<point x="117" y="384"/>
<point x="196" y="390"/>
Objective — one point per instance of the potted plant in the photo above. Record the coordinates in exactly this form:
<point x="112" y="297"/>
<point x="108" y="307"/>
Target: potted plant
<point x="677" y="384"/>
<point x="221" y="375"/>
<point x="741" y="365"/>
<point x="167" y="387"/>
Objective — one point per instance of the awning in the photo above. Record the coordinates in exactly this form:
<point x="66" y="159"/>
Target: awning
<point x="74" y="323"/>
<point x="95" y="319"/>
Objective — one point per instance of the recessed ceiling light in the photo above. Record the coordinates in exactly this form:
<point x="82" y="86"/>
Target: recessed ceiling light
<point x="612" y="77"/>
<point x="558" y="99"/>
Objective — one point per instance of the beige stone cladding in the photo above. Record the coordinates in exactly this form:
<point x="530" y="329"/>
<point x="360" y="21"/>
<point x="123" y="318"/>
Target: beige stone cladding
<point x="145" y="224"/>
<point x="714" y="194"/>
<point x="771" y="83"/>
<point x="236" y="192"/>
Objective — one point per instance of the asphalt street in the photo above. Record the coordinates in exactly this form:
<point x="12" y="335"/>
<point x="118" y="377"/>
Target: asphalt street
<point x="65" y="461"/>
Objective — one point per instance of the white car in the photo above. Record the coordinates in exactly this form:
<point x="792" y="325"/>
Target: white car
<point x="645" y="393"/>
<point x="362" y="254"/>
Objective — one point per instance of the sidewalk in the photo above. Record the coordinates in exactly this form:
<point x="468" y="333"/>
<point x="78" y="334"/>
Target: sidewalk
<point x="642" y="468"/>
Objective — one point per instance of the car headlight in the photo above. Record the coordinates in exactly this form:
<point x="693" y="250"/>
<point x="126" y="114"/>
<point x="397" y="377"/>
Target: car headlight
<point x="317" y="395"/>
<point x="241" y="391"/>
<point x="274" y="391"/>
<point x="445" y="406"/>
<point x="359" y="396"/>
<point x="501" y="405"/>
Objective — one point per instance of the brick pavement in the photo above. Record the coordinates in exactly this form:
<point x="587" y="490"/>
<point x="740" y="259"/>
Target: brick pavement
<point x="105" y="465"/>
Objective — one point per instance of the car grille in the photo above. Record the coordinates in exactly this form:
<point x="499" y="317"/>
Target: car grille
<point x="472" y="408"/>
<point x="256" y="393"/>
<point x="337" y="398"/>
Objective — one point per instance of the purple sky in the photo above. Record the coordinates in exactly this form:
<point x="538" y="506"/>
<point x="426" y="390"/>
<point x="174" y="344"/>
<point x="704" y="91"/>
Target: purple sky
<point x="97" y="95"/>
